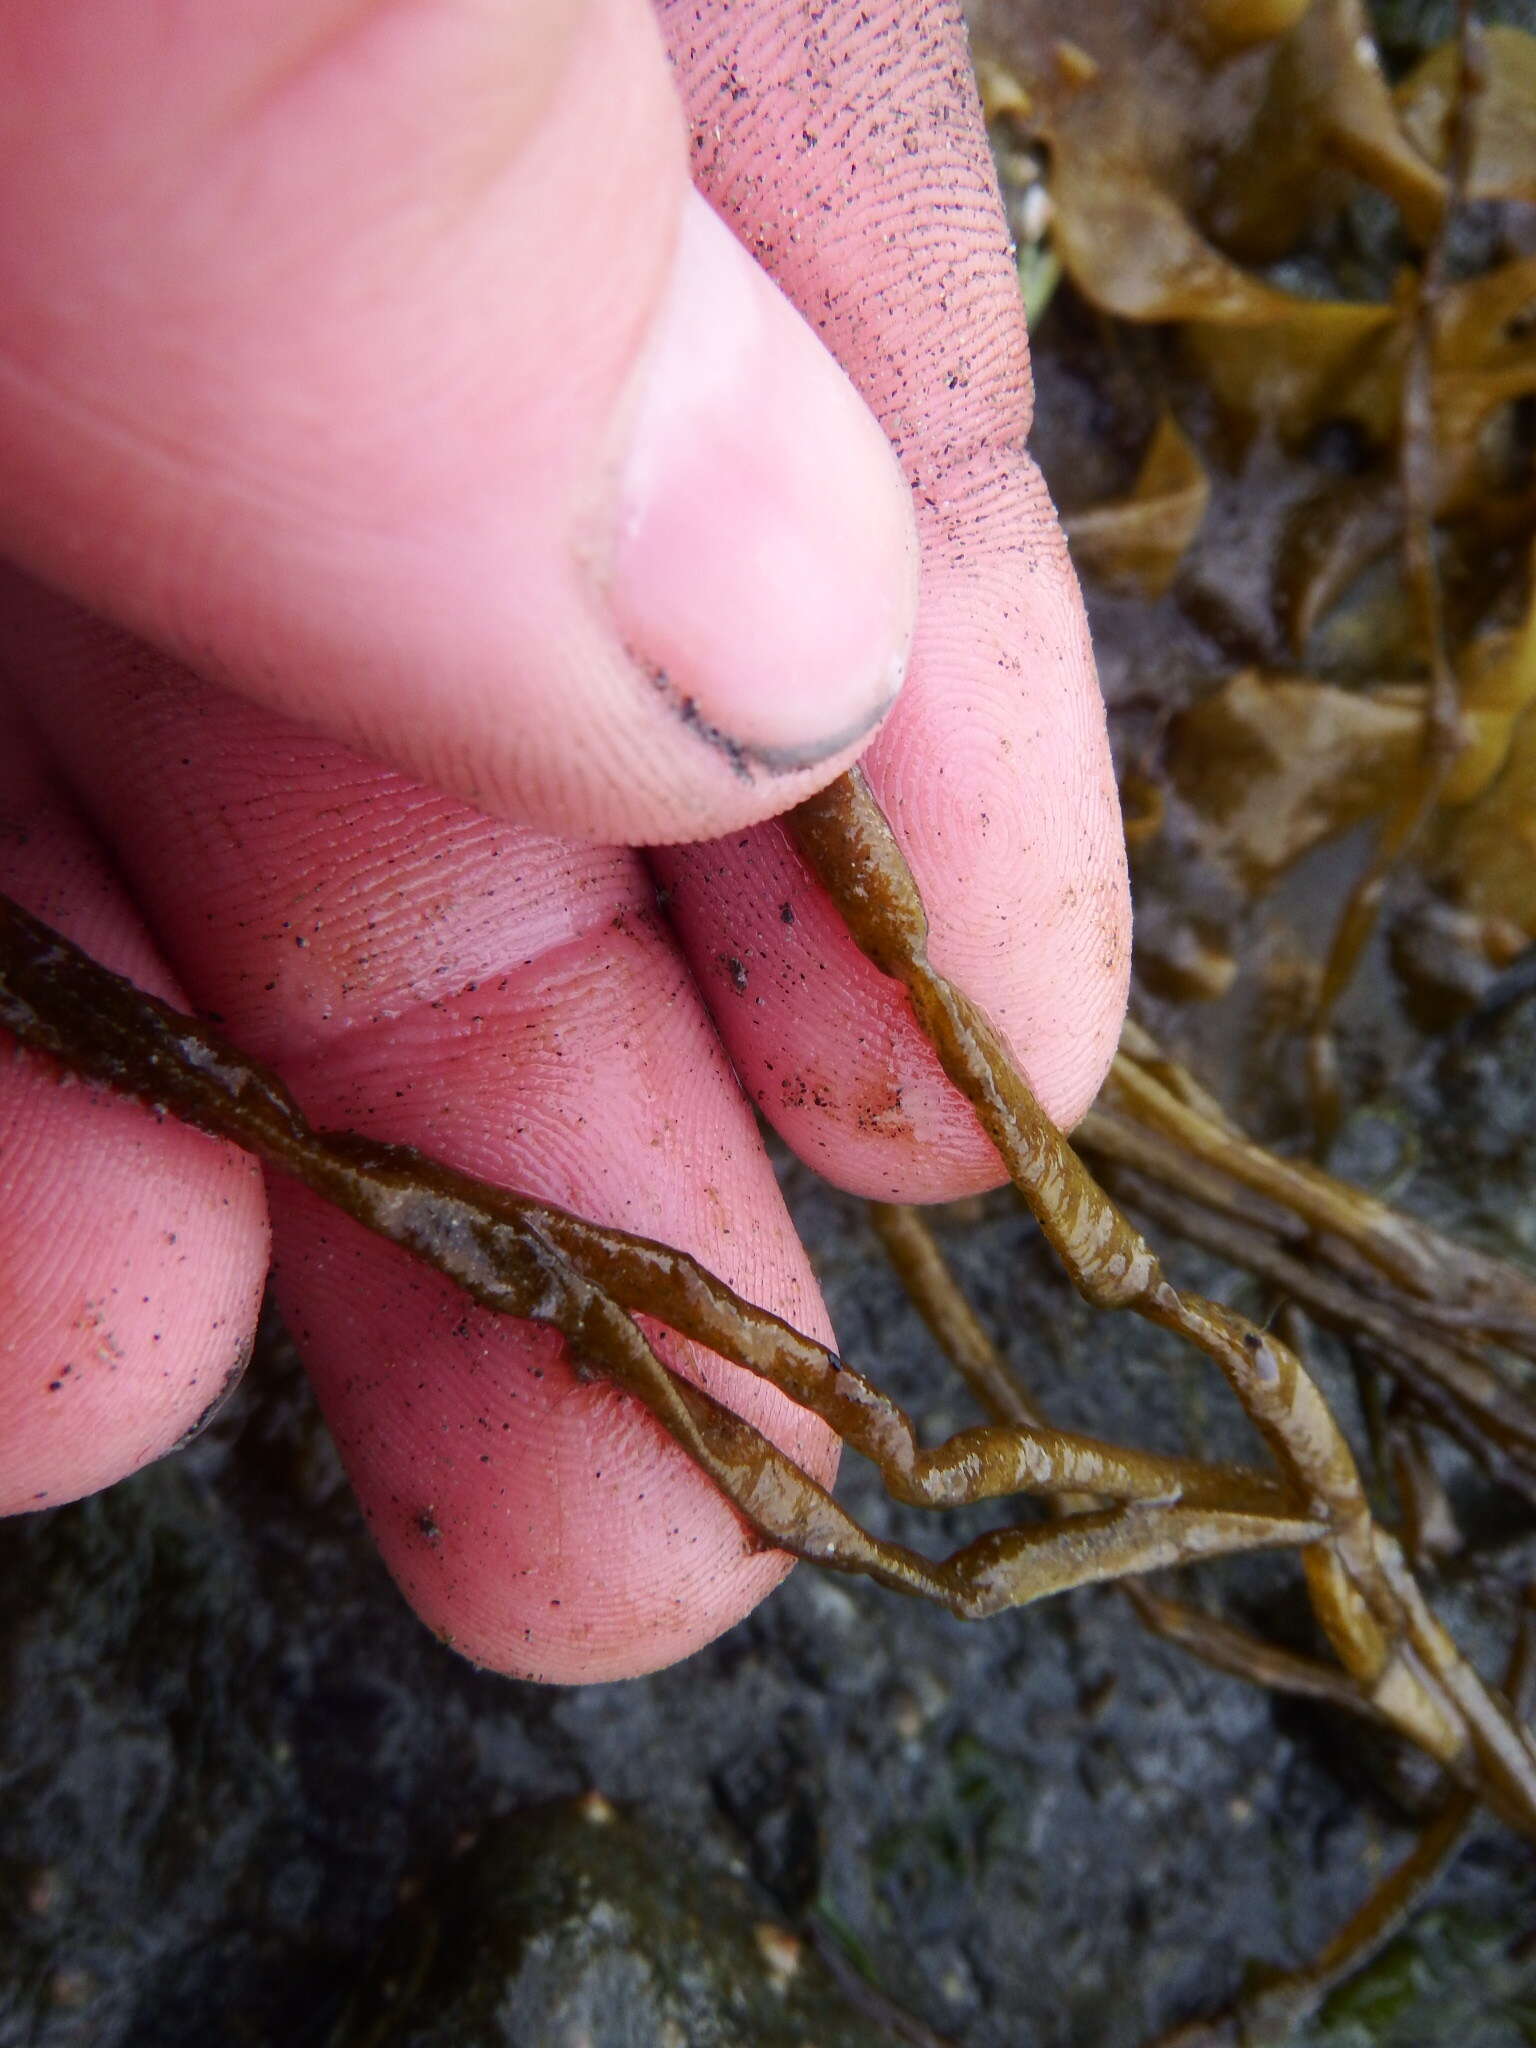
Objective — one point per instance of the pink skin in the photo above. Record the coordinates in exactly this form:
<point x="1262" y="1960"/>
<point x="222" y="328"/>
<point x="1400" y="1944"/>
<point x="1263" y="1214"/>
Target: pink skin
<point x="366" y="315"/>
<point x="131" y="1253"/>
<point x="421" y="467"/>
<point x="510" y="1002"/>
<point x="993" y="765"/>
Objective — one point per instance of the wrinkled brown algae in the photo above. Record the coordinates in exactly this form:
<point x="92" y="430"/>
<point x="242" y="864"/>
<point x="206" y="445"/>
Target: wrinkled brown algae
<point x="1370" y="1608"/>
<point x="1273" y="2009"/>
<point x="528" y="1259"/>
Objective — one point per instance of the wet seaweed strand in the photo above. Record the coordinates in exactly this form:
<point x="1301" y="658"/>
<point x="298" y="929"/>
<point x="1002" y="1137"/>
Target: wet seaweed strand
<point x="1170" y="1151"/>
<point x="1273" y="2011"/>
<point x="920" y="1265"/>
<point x="1444" y="734"/>
<point x="523" y="1259"/>
<point x="1462" y="1392"/>
<point x="1368" y="1605"/>
<point x="847" y="841"/>
<point x="531" y="1260"/>
<point x="1454" y="1280"/>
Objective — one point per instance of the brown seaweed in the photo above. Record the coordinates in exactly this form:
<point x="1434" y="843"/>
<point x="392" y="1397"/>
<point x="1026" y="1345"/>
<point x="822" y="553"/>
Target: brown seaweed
<point x="1443" y="733"/>
<point x="1371" y="517"/>
<point x="1136" y="543"/>
<point x="1276" y="2007"/>
<point x="528" y="1259"/>
<point x="1367" y="1602"/>
<point x="1283" y="2001"/>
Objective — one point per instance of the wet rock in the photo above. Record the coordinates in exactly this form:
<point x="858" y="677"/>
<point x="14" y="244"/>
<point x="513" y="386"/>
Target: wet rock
<point x="575" y="1926"/>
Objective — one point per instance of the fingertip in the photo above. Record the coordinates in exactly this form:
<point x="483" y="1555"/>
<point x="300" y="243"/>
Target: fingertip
<point x="538" y="1521"/>
<point x="766" y="569"/>
<point x="539" y="1517"/>
<point x="132" y="1250"/>
<point x="997" y="775"/>
<point x="995" y="772"/>
<point x="592" y="532"/>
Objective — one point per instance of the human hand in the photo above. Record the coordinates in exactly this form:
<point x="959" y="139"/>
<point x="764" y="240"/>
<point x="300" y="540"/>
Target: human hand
<point x="489" y="515"/>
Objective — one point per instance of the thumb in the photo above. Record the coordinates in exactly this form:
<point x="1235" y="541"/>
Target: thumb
<point x="381" y="363"/>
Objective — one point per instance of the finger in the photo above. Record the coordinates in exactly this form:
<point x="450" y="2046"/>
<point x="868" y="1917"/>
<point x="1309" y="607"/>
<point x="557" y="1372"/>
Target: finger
<point x="508" y="1003"/>
<point x="846" y="149"/>
<point x="132" y="1252"/>
<point x="379" y="361"/>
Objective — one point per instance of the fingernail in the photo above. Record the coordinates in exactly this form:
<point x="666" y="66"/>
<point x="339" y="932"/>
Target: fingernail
<point x="765" y="571"/>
